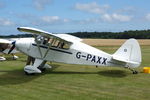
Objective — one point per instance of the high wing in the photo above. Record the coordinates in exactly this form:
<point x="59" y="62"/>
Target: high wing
<point x="69" y="37"/>
<point x="63" y="37"/>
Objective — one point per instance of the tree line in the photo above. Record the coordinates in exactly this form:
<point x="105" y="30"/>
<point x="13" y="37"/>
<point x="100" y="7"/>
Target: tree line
<point x="16" y="36"/>
<point x="137" y="34"/>
<point x="143" y="34"/>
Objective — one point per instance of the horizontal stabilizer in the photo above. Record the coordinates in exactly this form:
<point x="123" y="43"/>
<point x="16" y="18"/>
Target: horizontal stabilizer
<point x="120" y="59"/>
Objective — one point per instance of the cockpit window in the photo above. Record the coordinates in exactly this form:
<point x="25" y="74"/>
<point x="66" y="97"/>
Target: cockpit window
<point x="52" y="42"/>
<point x="39" y="39"/>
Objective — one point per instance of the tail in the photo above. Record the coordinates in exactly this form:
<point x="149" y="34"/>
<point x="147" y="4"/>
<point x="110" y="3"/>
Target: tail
<point x="129" y="53"/>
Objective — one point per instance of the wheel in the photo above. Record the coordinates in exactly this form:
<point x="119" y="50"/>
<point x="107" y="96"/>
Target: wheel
<point x="135" y="72"/>
<point x="29" y="73"/>
<point x="42" y="69"/>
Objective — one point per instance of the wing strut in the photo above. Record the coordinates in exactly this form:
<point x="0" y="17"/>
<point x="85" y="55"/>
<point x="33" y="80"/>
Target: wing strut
<point x="50" y="44"/>
<point x="38" y="46"/>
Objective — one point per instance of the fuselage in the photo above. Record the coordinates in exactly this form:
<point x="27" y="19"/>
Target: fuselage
<point x="77" y="53"/>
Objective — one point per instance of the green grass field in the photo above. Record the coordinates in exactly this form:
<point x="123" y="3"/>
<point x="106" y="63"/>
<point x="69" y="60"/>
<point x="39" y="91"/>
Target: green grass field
<point x="74" y="82"/>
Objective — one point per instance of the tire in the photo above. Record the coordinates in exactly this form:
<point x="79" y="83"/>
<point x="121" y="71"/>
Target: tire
<point x="26" y="73"/>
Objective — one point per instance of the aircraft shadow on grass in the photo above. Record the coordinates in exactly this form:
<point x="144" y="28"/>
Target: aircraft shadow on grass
<point x="14" y="77"/>
<point x="107" y="73"/>
<point x="113" y="73"/>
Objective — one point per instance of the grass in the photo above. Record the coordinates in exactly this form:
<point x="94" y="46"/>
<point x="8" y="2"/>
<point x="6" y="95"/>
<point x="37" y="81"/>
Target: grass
<point x="74" y="82"/>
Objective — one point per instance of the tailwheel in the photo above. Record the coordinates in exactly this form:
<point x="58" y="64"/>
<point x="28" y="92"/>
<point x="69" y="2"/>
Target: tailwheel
<point x="135" y="72"/>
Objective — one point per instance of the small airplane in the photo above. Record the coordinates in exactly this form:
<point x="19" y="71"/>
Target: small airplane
<point x="64" y="48"/>
<point x="5" y="48"/>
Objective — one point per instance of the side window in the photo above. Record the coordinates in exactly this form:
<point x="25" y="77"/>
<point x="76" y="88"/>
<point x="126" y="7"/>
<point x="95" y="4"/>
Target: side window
<point x="52" y="42"/>
<point x="64" y="45"/>
<point x="49" y="41"/>
<point x="55" y="43"/>
<point x="45" y="41"/>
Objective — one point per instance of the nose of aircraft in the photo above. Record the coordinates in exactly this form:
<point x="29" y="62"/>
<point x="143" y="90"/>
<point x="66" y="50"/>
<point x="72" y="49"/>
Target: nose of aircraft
<point x="12" y="48"/>
<point x="23" y="45"/>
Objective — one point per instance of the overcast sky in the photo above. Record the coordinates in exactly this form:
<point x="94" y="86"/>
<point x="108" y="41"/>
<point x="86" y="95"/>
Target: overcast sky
<point x="60" y="16"/>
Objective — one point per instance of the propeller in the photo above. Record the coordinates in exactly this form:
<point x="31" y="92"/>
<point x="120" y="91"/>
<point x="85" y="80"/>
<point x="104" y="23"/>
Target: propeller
<point x="13" y="46"/>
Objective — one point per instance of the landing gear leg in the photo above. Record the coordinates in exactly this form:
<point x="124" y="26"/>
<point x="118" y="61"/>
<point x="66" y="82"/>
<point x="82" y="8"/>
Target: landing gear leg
<point x="41" y="67"/>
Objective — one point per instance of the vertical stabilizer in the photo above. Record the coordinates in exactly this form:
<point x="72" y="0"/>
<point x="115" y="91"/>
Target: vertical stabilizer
<point x="129" y="52"/>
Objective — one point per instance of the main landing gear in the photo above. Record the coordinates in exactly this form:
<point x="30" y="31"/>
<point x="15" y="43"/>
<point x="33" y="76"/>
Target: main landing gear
<point x="38" y="66"/>
<point x="41" y="69"/>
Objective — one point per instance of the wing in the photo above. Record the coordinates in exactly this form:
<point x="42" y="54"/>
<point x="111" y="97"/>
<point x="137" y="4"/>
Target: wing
<point x="69" y="37"/>
<point x="4" y="41"/>
<point x="43" y="33"/>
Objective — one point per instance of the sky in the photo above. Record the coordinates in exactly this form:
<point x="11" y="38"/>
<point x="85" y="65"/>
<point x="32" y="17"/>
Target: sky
<point x="63" y="16"/>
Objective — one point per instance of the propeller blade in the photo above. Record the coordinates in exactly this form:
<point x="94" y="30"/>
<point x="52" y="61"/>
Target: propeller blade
<point x="12" y="48"/>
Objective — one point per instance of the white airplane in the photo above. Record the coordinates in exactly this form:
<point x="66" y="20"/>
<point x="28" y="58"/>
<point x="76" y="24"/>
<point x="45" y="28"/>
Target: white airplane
<point x="5" y="48"/>
<point x="68" y="49"/>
